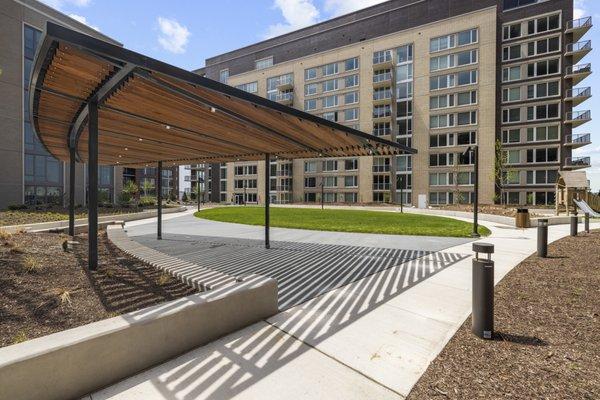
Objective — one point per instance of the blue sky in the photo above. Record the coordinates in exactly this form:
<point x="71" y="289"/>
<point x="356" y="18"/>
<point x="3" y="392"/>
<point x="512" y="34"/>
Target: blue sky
<point x="186" y="32"/>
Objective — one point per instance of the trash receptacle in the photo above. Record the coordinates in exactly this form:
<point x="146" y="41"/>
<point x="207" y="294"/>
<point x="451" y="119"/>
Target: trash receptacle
<point x="522" y="218"/>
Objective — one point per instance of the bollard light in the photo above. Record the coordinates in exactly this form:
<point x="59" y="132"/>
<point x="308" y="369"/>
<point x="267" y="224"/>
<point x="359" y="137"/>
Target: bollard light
<point x="542" y="238"/>
<point x="574" y="221"/>
<point x="587" y="222"/>
<point x="483" y="291"/>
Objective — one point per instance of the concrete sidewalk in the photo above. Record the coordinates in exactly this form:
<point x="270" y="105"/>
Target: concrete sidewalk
<point x="372" y="338"/>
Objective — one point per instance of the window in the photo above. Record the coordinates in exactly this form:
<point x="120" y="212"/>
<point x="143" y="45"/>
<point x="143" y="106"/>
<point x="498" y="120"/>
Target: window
<point x="310" y="73"/>
<point x="542" y="155"/>
<point x="351" y="98"/>
<point x="543" y="24"/>
<point x="450" y="41"/>
<point x="542" y="90"/>
<point x="310" y="166"/>
<point x="467" y="118"/>
<point x="444" y="140"/>
<point x="381" y="129"/>
<point x="224" y="75"/>
<point x="511" y="177"/>
<point x="310" y="89"/>
<point x="381" y="76"/>
<point x="330" y="181"/>
<point x="351" y="181"/>
<point x="543" y="111"/>
<point x="351" y="64"/>
<point x="510" y="115"/>
<point x="441" y="121"/>
<point x="437" y="198"/>
<point x="382" y="56"/>
<point x="511" y="136"/>
<point x="512" y="156"/>
<point x="405" y="53"/>
<point x="511" y="74"/>
<point x="381" y="164"/>
<point x="466" y="138"/>
<point x="330" y="101"/>
<point x="331" y="116"/>
<point x="251" y="87"/>
<point x="404" y="72"/>
<point x="330" y="69"/>
<point x="466" y="58"/>
<point x="467" y="77"/>
<point x="542" y="177"/>
<point x="351" y="81"/>
<point x="382" y="93"/>
<point x="441" y="179"/>
<point x="465" y="178"/>
<point x="442" y="82"/>
<point x="403" y="163"/>
<point x="264" y="63"/>
<point x="351" y="164"/>
<point x="511" y="31"/>
<point x="541" y="68"/>
<point x="441" y="62"/>
<point x="310" y="182"/>
<point x="543" y="46"/>
<point x="382" y="111"/>
<point x="542" y="133"/>
<point x="330" y="85"/>
<point x="310" y="105"/>
<point x="404" y="108"/>
<point x="441" y="160"/>
<point x="511" y="52"/>
<point x="511" y="94"/>
<point x="443" y="101"/>
<point x="467" y="98"/>
<point x="351" y="114"/>
<point x="405" y="126"/>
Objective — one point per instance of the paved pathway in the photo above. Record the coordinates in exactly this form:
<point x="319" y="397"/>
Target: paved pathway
<point x="372" y="338"/>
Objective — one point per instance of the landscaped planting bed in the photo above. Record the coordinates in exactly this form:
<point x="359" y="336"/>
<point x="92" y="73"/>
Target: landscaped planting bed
<point x="546" y="344"/>
<point x="45" y="289"/>
<point x="393" y="223"/>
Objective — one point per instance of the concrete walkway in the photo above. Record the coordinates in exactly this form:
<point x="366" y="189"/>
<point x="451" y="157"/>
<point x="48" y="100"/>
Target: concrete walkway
<point x="369" y="339"/>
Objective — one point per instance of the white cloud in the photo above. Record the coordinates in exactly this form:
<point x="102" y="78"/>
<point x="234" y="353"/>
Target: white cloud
<point x="83" y="20"/>
<point x="340" y="7"/>
<point x="579" y="9"/>
<point x="173" y="36"/>
<point x="59" y="4"/>
<point x="297" y="14"/>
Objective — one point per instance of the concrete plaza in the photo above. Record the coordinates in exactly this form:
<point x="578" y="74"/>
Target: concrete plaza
<point x="369" y="331"/>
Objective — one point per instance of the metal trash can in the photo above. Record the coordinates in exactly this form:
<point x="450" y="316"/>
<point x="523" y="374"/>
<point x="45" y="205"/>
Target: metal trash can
<point x="483" y="291"/>
<point x="522" y="219"/>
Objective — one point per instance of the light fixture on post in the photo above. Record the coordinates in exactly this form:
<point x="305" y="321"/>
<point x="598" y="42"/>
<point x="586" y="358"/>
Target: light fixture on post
<point x="475" y="151"/>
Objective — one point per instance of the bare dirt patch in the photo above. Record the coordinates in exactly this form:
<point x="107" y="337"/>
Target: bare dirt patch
<point x="45" y="289"/>
<point x="546" y="345"/>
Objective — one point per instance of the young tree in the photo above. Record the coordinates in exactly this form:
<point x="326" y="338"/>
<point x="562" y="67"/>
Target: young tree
<point x="147" y="185"/>
<point x="130" y="190"/>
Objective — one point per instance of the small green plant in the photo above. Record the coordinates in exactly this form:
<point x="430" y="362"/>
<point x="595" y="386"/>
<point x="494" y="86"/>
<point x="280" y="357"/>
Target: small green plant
<point x="20" y="337"/>
<point x="32" y="265"/>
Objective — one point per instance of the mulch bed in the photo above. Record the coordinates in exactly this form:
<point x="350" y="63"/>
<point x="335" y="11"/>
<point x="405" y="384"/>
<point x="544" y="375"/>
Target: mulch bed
<point x="45" y="289"/>
<point x="493" y="209"/>
<point x="547" y="344"/>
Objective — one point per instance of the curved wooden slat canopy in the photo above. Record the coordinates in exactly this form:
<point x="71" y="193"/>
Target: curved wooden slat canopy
<point x="150" y="111"/>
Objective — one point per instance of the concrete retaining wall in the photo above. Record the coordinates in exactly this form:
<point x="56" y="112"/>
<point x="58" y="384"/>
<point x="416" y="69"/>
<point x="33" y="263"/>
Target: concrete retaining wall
<point x="76" y="362"/>
<point x="81" y="223"/>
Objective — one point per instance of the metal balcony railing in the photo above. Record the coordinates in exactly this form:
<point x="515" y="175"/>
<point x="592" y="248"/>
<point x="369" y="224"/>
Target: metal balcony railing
<point x="580" y="138"/>
<point x="578" y="162"/>
<point x="381" y="186"/>
<point x="585" y="22"/>
<point x="585" y="45"/>
<point x="579" y="92"/>
<point x="382" y="94"/>
<point x="382" y="114"/>
<point x="579" y="115"/>
<point x="579" y="69"/>
<point x="382" y="131"/>
<point x="287" y="96"/>
<point x="387" y="76"/>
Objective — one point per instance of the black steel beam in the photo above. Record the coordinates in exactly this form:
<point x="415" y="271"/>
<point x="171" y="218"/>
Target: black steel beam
<point x="267" y="199"/>
<point x="159" y="200"/>
<point x="93" y="185"/>
<point x="71" y="192"/>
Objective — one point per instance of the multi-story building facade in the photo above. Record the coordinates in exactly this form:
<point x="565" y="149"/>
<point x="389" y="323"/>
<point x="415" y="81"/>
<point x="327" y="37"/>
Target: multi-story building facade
<point x="30" y="175"/>
<point x="437" y="75"/>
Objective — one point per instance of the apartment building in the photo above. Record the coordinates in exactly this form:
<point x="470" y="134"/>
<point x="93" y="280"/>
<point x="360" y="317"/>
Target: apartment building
<point x="438" y="75"/>
<point x="30" y="175"/>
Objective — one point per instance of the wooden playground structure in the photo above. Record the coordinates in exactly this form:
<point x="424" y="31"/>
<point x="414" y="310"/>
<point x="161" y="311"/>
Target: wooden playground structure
<point x="574" y="185"/>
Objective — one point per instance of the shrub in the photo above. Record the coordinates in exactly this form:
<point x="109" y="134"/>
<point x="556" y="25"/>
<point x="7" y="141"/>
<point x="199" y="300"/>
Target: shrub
<point x="184" y="198"/>
<point x="15" y="207"/>
<point x="4" y="235"/>
<point x="32" y="264"/>
<point x="124" y="198"/>
<point x="147" y="201"/>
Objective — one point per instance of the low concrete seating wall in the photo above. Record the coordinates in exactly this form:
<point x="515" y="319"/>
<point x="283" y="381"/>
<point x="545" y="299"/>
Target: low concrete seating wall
<point x="76" y="362"/>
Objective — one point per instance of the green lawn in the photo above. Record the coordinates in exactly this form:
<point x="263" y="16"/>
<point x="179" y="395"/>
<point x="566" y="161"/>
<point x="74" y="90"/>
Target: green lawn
<point x="345" y="221"/>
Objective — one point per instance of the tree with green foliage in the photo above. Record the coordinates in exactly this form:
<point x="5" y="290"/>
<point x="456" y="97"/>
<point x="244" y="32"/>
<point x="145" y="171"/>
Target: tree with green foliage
<point x="129" y="192"/>
<point x="147" y="186"/>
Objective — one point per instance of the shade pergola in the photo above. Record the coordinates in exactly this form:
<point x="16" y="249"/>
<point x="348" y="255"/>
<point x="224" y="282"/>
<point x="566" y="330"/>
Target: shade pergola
<point x="98" y="103"/>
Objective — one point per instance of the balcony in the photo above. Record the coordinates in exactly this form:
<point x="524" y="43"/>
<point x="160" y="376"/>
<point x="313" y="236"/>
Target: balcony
<point x="579" y="27"/>
<point x="578" y="50"/>
<point x="578" y="95"/>
<point x="382" y="117"/>
<point x="383" y="96"/>
<point x="577" y="162"/>
<point x="286" y="98"/>
<point x="577" y="118"/>
<point x="383" y="59"/>
<point x="285" y="83"/>
<point x="577" y="73"/>
<point x="578" y="140"/>
<point x="381" y="186"/>
<point x="385" y="131"/>
<point x="382" y="79"/>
